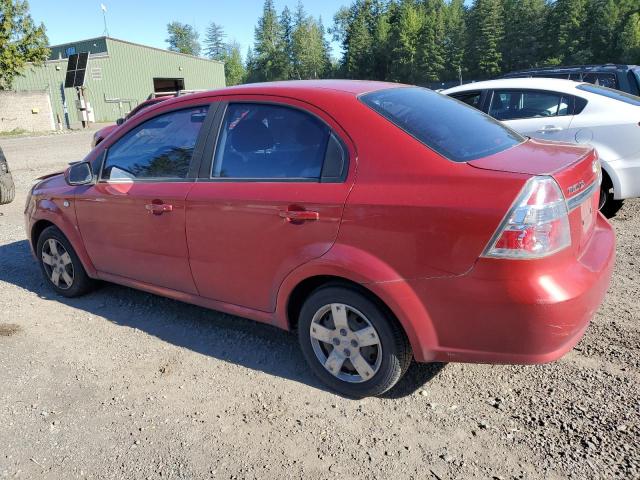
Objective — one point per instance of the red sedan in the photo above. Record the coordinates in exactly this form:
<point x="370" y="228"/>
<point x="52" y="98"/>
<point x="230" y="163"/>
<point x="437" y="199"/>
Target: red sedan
<point x="382" y="222"/>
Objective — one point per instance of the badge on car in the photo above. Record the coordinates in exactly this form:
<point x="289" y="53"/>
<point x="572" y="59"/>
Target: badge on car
<point x="576" y="187"/>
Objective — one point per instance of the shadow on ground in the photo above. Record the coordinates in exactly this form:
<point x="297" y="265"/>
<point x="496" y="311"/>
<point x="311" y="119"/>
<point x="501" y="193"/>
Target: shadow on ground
<point x="215" y="334"/>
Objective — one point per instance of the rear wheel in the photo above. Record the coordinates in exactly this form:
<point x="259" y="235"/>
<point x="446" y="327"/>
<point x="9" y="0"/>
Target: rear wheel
<point x="60" y="265"/>
<point x="607" y="204"/>
<point x="351" y="343"/>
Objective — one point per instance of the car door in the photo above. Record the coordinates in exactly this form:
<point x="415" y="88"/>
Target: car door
<point x="270" y="198"/>
<point x="534" y="113"/>
<point x="132" y="220"/>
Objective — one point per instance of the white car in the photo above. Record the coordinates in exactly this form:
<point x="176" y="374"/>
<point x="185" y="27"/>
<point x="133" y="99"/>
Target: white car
<point x="569" y="111"/>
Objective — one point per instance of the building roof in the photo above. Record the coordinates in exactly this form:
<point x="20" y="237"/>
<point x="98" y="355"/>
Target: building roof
<point x="101" y="45"/>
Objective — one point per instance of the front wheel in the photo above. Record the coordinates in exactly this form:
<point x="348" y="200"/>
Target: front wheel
<point x="351" y="343"/>
<point x="60" y="265"/>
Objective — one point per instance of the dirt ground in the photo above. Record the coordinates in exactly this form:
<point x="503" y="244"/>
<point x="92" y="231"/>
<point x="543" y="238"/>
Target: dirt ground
<point x="124" y="384"/>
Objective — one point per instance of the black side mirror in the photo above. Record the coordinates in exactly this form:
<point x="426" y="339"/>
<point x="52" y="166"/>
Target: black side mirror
<point x="79" y="174"/>
<point x="120" y="121"/>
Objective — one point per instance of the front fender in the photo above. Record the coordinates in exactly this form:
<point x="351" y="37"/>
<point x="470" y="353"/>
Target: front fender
<point x="54" y="211"/>
<point x="357" y="266"/>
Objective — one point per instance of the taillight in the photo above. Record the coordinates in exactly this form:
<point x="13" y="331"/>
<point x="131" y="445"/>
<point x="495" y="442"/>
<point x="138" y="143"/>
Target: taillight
<point x="537" y="225"/>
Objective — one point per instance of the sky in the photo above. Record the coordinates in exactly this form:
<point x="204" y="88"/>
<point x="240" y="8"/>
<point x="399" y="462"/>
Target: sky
<point x="145" y="21"/>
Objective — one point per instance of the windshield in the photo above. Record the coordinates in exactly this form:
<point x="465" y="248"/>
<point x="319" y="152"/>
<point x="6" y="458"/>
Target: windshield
<point x="610" y="93"/>
<point x="451" y="128"/>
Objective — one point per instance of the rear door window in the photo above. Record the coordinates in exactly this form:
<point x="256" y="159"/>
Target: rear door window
<point x="610" y="93"/>
<point x="608" y="80"/>
<point x="473" y="99"/>
<point x="519" y="104"/>
<point x="160" y="148"/>
<point x="452" y="129"/>
<point x="271" y="142"/>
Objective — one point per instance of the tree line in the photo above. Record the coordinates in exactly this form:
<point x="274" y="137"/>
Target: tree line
<point x="422" y="41"/>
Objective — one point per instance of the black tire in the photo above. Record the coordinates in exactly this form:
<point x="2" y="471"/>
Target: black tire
<point x="395" y="351"/>
<point x="7" y="189"/>
<point x="607" y="204"/>
<point x="81" y="283"/>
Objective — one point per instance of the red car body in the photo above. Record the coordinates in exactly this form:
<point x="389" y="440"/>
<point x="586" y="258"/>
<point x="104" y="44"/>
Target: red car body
<point x="406" y="224"/>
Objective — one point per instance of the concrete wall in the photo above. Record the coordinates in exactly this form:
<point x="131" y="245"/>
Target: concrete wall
<point x="29" y="111"/>
<point x="118" y="79"/>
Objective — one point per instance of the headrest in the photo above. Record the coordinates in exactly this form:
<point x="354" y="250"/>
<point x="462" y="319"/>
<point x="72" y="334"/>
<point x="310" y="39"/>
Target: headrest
<point x="251" y="135"/>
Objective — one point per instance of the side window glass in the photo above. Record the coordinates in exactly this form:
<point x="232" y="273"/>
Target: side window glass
<point x="160" y="148"/>
<point x="470" y="98"/>
<point x="608" y="80"/>
<point x="513" y="105"/>
<point x="260" y="141"/>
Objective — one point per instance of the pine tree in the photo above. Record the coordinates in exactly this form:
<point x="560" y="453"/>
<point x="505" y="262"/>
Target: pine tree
<point x="404" y="41"/>
<point x="309" y="49"/>
<point x="603" y="27"/>
<point x="485" y="38"/>
<point x="524" y="36"/>
<point x="455" y="39"/>
<point x="567" y="34"/>
<point x="183" y="38"/>
<point x="214" y="45"/>
<point x="286" y="25"/>
<point x="431" y="56"/>
<point x="271" y="62"/>
<point x="356" y="26"/>
<point x="21" y="41"/>
<point x="630" y="40"/>
<point x="233" y="68"/>
<point x="381" y="55"/>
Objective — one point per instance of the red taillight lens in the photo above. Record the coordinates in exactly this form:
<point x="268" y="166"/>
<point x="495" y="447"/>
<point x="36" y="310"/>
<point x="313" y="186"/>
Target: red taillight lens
<point x="537" y="225"/>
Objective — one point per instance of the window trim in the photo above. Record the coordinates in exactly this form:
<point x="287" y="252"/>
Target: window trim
<point x="205" y="173"/>
<point x="562" y="95"/>
<point x="196" y="157"/>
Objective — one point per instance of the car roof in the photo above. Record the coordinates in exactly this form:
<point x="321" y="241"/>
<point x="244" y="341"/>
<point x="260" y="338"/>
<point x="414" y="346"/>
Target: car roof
<point x="608" y="67"/>
<point x="554" y="84"/>
<point x="301" y="89"/>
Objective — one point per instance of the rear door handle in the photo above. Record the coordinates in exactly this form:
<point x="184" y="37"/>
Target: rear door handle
<point x="295" y="216"/>
<point x="158" y="208"/>
<point x="550" y="129"/>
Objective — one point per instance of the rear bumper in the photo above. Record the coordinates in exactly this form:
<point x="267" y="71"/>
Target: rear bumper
<point x="514" y="311"/>
<point x="625" y="175"/>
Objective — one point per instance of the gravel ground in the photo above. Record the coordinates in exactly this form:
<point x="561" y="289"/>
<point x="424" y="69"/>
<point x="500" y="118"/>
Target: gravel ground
<point x="124" y="384"/>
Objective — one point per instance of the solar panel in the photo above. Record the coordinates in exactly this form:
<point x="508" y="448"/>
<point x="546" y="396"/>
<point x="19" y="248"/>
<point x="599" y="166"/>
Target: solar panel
<point x="76" y="69"/>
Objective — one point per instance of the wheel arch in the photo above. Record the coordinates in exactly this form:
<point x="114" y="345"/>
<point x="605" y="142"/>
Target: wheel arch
<point x="395" y="296"/>
<point x="69" y="230"/>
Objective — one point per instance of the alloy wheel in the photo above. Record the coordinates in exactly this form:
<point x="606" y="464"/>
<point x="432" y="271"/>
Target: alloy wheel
<point x="346" y="343"/>
<point x="57" y="264"/>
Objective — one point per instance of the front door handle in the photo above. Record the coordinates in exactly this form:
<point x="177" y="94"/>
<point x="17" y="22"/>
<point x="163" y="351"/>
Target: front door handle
<point x="550" y="129"/>
<point x="297" y="216"/>
<point x="158" y="208"/>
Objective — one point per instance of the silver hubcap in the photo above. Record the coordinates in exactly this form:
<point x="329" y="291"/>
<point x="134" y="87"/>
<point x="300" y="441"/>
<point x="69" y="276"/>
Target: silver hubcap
<point x="346" y="343"/>
<point x="57" y="263"/>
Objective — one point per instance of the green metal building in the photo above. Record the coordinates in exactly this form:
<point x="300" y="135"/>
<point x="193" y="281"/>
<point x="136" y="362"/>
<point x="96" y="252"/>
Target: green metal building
<point x="119" y="75"/>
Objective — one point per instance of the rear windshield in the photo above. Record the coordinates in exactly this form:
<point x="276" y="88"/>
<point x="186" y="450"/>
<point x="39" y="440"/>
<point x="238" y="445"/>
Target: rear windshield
<point x="610" y="93"/>
<point x="451" y="128"/>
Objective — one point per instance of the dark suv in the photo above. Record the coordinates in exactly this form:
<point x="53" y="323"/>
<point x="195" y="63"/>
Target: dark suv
<point x="620" y="77"/>
<point x="7" y="189"/>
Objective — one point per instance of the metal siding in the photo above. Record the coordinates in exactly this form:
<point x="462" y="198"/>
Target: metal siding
<point x="127" y="73"/>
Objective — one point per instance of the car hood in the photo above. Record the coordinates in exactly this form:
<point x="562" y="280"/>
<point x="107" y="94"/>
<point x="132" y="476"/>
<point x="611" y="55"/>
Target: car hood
<point x="104" y="131"/>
